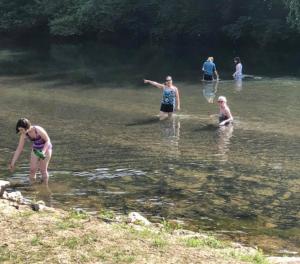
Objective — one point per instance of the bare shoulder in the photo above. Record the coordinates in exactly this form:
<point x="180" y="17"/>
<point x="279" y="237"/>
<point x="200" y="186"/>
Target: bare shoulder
<point x="40" y="129"/>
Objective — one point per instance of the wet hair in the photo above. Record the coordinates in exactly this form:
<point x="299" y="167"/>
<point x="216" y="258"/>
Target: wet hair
<point x="237" y="60"/>
<point x="222" y="99"/>
<point x="23" y="123"/>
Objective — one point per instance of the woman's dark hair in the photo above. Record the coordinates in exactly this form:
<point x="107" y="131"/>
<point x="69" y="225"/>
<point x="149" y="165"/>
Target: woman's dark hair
<point x="24" y="123"/>
<point x="237" y="60"/>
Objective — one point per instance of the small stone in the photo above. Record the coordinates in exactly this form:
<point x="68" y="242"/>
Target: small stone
<point x="135" y="217"/>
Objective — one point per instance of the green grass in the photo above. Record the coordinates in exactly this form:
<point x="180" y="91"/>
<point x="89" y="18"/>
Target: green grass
<point x="258" y="258"/>
<point x="210" y="242"/>
<point x="36" y="241"/>
<point x="159" y="242"/>
<point x="170" y="226"/>
<point x="106" y="214"/>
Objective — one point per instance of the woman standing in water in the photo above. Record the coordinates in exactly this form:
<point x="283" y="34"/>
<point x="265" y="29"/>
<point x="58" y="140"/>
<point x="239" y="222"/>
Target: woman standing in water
<point x="225" y="116"/>
<point x="41" y="148"/>
<point x="170" y="98"/>
<point x="238" y="74"/>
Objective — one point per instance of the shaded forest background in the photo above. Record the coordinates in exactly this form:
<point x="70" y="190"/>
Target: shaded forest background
<point x="261" y="22"/>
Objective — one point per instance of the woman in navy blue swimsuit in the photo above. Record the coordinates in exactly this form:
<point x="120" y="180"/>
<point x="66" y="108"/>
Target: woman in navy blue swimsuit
<point x="40" y="142"/>
<point x="170" y="99"/>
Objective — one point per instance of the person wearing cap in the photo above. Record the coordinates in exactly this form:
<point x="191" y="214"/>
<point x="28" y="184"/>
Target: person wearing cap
<point x="209" y="69"/>
<point x="225" y="116"/>
<point x="170" y="98"/>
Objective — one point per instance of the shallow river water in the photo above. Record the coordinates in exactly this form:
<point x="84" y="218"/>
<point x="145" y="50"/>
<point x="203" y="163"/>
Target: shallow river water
<point x="111" y="152"/>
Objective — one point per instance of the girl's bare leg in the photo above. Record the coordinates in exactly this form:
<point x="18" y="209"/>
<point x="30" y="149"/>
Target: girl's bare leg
<point x="34" y="161"/>
<point x="163" y="115"/>
<point x="44" y="166"/>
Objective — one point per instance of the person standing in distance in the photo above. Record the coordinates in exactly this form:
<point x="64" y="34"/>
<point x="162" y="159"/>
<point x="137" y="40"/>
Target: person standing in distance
<point x="209" y="70"/>
<point x="170" y="98"/>
<point x="40" y="144"/>
<point x="238" y="74"/>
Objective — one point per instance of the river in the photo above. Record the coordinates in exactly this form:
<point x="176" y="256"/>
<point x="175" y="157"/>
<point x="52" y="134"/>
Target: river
<point x="111" y="152"/>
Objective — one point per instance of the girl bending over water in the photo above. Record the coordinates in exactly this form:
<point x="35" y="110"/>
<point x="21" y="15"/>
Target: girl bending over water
<point x="225" y="116"/>
<point x="41" y="148"/>
<point x="170" y="98"/>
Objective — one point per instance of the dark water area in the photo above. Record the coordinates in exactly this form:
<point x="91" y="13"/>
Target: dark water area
<point x="111" y="152"/>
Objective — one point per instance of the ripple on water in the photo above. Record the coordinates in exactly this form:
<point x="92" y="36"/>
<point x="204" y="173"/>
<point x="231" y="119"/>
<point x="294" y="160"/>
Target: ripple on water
<point x="106" y="173"/>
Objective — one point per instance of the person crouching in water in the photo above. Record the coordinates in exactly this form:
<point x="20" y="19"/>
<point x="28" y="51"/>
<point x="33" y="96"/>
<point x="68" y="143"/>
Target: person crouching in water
<point x="170" y="98"/>
<point x="41" y="148"/>
<point x="225" y="116"/>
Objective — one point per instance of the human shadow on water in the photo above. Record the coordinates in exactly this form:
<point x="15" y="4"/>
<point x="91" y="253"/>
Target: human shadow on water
<point x="143" y="122"/>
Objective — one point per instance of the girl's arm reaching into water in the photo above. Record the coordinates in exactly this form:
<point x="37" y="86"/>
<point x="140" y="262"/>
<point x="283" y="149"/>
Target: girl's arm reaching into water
<point x="17" y="152"/>
<point x="158" y="85"/>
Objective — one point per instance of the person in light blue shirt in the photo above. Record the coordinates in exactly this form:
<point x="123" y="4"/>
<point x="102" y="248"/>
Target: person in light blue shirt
<point x="209" y="69"/>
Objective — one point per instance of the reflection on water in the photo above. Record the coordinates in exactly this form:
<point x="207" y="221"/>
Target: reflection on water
<point x="111" y="151"/>
<point x="209" y="90"/>
<point x="238" y="85"/>
<point x="224" y="134"/>
<point x="170" y="130"/>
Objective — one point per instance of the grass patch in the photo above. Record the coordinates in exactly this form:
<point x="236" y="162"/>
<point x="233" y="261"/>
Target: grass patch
<point x="258" y="258"/>
<point x="5" y="254"/>
<point x="106" y="214"/>
<point x="70" y="242"/>
<point x="67" y="224"/>
<point x="123" y="257"/>
<point x="78" y="215"/>
<point x="210" y="242"/>
<point x="159" y="242"/>
<point x="36" y="241"/>
<point x="170" y="226"/>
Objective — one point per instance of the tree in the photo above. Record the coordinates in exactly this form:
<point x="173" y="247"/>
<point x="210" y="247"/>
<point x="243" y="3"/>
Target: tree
<point x="294" y="13"/>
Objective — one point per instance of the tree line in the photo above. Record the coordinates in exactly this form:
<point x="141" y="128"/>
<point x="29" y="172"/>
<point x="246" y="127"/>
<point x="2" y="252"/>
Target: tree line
<point x="257" y="21"/>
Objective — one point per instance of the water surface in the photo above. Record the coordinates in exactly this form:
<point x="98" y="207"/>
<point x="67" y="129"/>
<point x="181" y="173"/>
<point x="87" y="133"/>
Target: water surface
<point x="110" y="150"/>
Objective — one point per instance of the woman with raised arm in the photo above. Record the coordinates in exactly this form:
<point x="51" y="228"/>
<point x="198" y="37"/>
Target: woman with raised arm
<point x="41" y="148"/>
<point x="170" y="99"/>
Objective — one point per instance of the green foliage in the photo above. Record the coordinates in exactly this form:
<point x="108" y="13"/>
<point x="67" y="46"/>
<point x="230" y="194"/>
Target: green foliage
<point x="261" y="21"/>
<point x="294" y="13"/>
<point x="210" y="241"/>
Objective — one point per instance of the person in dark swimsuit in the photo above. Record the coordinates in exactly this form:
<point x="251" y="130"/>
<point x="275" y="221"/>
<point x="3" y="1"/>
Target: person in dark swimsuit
<point x="170" y="99"/>
<point x="225" y="116"/>
<point x="40" y="141"/>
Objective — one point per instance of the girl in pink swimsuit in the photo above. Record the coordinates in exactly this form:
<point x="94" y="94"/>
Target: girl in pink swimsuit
<point x="40" y="141"/>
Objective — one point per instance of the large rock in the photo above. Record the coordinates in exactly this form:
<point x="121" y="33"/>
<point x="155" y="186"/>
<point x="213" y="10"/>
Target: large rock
<point x="3" y="186"/>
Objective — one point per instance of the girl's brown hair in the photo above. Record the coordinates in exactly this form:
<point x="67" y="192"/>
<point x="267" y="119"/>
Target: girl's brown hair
<point x="24" y="123"/>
